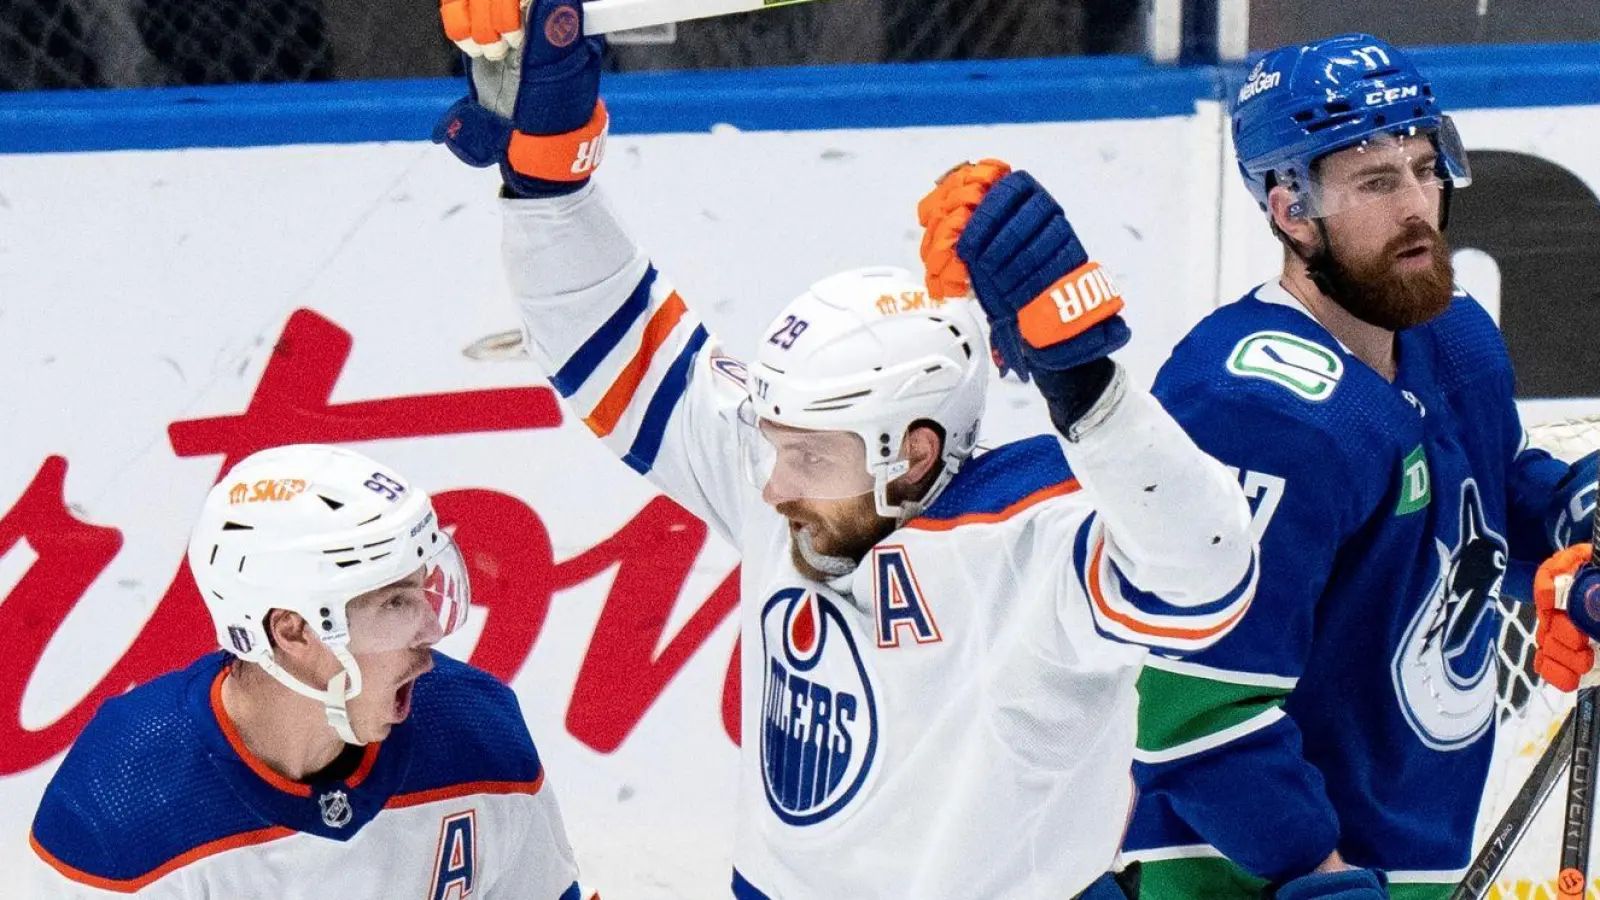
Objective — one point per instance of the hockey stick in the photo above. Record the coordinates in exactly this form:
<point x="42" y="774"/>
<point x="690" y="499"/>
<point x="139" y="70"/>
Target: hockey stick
<point x="1577" y="831"/>
<point x="1514" y="823"/>
<point x="606" y="16"/>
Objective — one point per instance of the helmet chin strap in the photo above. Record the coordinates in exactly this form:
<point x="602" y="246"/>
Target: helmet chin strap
<point x="838" y="569"/>
<point x="1321" y="264"/>
<point x="342" y="688"/>
<point x="910" y="509"/>
<point x="881" y="476"/>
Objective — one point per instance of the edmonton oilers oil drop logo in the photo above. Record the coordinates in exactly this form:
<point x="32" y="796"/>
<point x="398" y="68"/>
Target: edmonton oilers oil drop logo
<point x="819" y="721"/>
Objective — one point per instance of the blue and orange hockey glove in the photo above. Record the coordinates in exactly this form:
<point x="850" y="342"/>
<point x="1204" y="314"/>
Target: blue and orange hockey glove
<point x="1566" y="592"/>
<point x="1054" y="315"/>
<point x="487" y="28"/>
<point x="1571" y="518"/>
<point x="536" y="112"/>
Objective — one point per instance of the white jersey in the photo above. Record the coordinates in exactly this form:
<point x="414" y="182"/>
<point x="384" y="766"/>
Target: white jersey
<point x="956" y="718"/>
<point x="160" y="798"/>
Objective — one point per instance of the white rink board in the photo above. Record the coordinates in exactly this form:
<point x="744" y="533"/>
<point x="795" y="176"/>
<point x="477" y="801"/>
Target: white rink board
<point x="142" y="289"/>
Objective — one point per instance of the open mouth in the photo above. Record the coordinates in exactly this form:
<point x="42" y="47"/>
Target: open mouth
<point x="402" y="701"/>
<point x="1415" y="251"/>
<point x="402" y="694"/>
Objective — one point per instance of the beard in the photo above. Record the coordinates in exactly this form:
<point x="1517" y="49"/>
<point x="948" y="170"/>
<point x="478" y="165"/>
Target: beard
<point x="1377" y="292"/>
<point x="823" y="551"/>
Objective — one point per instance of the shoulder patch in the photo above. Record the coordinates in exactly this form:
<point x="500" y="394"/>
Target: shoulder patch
<point x="731" y="369"/>
<point x="1303" y="367"/>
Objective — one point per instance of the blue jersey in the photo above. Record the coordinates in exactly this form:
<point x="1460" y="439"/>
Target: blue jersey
<point x="1352" y="708"/>
<point x="159" y="797"/>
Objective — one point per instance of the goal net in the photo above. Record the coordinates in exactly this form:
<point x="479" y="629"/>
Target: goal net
<point x="1530" y="712"/>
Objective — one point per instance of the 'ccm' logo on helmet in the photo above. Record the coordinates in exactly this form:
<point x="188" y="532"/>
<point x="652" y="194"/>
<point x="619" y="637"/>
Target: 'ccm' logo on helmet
<point x="1392" y="94"/>
<point x="267" y="490"/>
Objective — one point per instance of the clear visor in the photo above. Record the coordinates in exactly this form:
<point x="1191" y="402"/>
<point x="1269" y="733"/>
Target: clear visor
<point x="795" y="464"/>
<point x="1409" y="167"/>
<point x="417" y="610"/>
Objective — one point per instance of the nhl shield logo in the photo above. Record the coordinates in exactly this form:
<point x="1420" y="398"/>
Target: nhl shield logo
<point x="819" y="730"/>
<point x="336" y="812"/>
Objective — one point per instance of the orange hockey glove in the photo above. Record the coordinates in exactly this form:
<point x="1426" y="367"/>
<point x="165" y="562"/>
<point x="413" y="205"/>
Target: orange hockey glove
<point x="487" y="28"/>
<point x="1565" y="653"/>
<point x="535" y="113"/>
<point x="944" y="213"/>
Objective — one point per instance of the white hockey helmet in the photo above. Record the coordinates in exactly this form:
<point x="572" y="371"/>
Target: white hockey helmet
<point x="868" y="352"/>
<point x="307" y="528"/>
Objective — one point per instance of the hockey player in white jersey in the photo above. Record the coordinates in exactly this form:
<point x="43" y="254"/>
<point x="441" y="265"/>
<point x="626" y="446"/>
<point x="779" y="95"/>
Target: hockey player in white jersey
<point x="327" y="751"/>
<point x="933" y="702"/>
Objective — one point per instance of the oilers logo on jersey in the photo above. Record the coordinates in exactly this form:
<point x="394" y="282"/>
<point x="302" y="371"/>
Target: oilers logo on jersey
<point x="1444" y="671"/>
<point x="819" y="717"/>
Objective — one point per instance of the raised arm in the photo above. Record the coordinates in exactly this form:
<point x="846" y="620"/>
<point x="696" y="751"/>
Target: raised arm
<point x="633" y="361"/>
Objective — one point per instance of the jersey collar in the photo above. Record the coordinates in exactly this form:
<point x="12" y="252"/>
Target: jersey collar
<point x="1275" y="293"/>
<point x="331" y="809"/>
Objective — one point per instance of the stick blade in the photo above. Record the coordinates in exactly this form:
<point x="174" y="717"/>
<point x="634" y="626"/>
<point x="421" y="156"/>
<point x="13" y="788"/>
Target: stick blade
<point x="607" y="16"/>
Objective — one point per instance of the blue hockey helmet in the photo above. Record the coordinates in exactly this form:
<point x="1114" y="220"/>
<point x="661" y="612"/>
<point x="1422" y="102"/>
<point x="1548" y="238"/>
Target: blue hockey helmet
<point x="1300" y="104"/>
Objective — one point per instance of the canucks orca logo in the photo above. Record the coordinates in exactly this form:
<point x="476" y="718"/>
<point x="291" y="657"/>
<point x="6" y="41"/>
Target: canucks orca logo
<point x="819" y="721"/>
<point x="1444" y="671"/>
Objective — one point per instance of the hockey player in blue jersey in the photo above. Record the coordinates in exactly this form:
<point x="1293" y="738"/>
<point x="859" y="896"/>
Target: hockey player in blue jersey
<point x="1341" y="735"/>
<point x="1345" y="727"/>
<point x="327" y="751"/>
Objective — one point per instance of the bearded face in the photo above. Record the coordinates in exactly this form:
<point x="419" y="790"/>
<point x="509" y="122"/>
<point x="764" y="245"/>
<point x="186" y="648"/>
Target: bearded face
<point x="820" y="483"/>
<point x="1407" y="281"/>
<point x="825" y="534"/>
<point x="1374" y="245"/>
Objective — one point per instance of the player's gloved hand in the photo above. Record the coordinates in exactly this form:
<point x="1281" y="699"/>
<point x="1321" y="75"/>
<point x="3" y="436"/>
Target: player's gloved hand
<point x="1566" y="592"/>
<point x="1002" y="234"/>
<point x="1053" y="314"/>
<point x="536" y="113"/>
<point x="1571" y="518"/>
<point x="487" y="28"/>
<point x="944" y="213"/>
<point x="1349" y="884"/>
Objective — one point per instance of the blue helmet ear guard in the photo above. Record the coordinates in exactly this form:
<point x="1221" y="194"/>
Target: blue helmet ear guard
<point x="1300" y="104"/>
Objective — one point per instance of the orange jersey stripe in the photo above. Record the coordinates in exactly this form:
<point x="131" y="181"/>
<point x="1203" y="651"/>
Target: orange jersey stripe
<point x="132" y="885"/>
<point x="1070" y="486"/>
<point x="231" y="732"/>
<point x="401" y="801"/>
<point x="611" y="407"/>
<point x="1188" y="634"/>
<point x="369" y="758"/>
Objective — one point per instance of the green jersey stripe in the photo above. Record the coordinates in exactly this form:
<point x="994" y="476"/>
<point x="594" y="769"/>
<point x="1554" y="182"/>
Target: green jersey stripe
<point x="1177" y="709"/>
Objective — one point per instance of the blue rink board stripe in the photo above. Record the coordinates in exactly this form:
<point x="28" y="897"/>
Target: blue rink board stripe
<point x="799" y="98"/>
